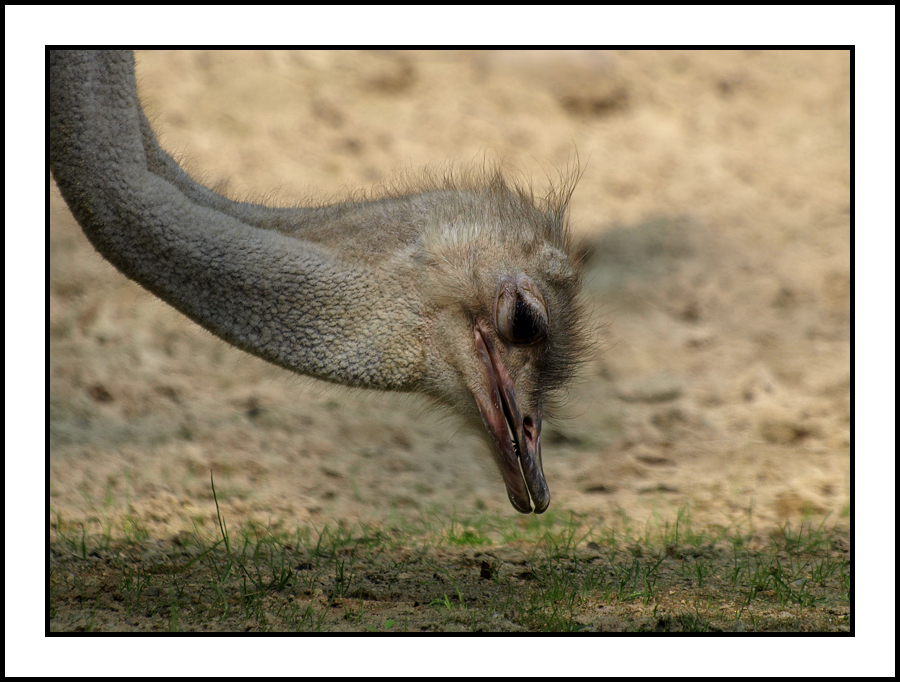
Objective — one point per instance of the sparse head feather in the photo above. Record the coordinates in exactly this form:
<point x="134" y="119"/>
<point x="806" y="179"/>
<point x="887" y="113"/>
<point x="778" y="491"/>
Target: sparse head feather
<point x="485" y="227"/>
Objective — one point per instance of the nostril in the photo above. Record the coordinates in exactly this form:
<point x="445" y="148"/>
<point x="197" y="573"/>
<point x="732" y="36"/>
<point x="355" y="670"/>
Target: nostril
<point x="528" y="425"/>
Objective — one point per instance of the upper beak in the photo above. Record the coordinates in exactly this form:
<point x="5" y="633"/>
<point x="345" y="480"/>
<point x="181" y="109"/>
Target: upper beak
<point x="517" y="438"/>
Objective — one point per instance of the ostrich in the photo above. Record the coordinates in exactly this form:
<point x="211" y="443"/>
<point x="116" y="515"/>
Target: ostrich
<point x="464" y="289"/>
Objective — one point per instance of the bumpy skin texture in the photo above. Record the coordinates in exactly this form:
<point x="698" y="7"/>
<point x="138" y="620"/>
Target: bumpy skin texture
<point x="382" y="293"/>
<point x="217" y="261"/>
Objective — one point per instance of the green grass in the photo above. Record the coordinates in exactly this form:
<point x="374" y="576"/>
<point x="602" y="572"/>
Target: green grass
<point x="471" y="572"/>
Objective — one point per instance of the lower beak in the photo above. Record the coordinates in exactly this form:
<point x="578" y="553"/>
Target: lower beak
<point x="517" y="438"/>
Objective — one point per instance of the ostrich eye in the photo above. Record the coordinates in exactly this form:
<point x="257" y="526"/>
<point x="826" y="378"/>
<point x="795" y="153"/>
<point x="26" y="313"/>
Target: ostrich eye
<point x="521" y="314"/>
<point x="526" y="325"/>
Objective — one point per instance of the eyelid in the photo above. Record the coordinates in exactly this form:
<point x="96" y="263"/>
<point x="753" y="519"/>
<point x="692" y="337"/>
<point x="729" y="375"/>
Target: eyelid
<point x="517" y="296"/>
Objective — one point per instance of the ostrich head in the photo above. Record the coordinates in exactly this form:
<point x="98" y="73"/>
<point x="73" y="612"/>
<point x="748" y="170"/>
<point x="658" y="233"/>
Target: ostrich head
<point x="504" y="322"/>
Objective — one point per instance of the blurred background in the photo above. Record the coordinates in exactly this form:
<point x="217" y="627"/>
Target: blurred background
<point x="714" y="214"/>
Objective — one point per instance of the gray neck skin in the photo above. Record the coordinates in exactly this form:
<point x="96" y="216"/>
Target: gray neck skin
<point x="264" y="279"/>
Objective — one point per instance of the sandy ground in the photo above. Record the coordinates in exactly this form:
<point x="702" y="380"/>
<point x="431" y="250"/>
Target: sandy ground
<point x="714" y="204"/>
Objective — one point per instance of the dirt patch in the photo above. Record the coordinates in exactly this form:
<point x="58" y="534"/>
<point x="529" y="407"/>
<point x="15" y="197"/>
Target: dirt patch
<point x="714" y="211"/>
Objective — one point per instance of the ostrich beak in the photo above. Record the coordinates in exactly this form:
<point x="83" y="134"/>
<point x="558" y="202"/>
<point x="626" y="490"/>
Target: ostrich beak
<point x="517" y="439"/>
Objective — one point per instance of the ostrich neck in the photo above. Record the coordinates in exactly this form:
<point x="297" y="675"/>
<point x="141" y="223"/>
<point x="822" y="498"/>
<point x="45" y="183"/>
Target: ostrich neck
<point x="270" y="281"/>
